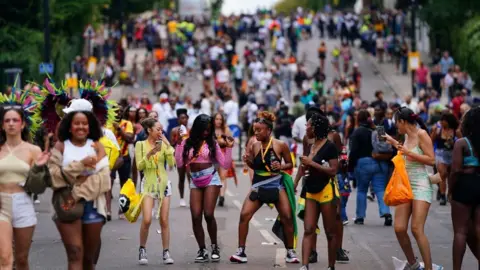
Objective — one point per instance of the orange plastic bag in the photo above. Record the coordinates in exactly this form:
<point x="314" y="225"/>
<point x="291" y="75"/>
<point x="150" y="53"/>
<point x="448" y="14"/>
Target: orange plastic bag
<point x="398" y="190"/>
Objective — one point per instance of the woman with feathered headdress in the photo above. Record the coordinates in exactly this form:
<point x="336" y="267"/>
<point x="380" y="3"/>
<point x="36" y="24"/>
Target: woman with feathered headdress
<point x="21" y="164"/>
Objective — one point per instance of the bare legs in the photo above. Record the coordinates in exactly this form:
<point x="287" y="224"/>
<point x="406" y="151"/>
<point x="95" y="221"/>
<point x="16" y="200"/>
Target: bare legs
<point x="418" y="210"/>
<point x="81" y="243"/>
<point x="202" y="203"/>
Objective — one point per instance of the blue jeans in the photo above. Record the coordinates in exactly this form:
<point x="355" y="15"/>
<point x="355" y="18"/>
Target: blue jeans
<point x="343" y="208"/>
<point x="369" y="170"/>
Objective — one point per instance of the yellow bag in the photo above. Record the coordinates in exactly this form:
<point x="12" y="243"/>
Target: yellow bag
<point x="398" y="190"/>
<point x="111" y="149"/>
<point x="130" y="201"/>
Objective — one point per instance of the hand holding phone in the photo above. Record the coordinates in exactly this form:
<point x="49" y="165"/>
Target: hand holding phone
<point x="381" y="133"/>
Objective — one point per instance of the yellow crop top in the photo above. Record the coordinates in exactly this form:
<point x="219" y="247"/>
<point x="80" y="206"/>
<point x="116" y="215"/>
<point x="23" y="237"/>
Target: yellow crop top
<point x="13" y="169"/>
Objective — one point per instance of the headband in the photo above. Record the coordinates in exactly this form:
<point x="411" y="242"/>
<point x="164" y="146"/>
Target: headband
<point x="51" y="101"/>
<point x="97" y="94"/>
<point x="264" y="121"/>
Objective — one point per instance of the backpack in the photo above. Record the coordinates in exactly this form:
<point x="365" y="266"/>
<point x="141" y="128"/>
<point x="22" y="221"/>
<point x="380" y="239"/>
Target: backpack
<point x="380" y="147"/>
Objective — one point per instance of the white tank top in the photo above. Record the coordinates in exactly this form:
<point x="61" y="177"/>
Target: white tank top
<point x="76" y="153"/>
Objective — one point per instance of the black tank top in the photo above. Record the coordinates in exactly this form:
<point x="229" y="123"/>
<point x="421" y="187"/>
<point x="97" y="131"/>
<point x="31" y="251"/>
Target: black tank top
<point x="258" y="164"/>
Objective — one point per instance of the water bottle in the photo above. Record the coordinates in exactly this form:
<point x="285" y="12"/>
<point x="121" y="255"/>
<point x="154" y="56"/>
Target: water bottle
<point x="272" y="159"/>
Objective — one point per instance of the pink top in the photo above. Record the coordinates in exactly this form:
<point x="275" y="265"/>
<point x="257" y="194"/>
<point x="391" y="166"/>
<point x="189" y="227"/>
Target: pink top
<point x="223" y="159"/>
<point x="422" y="75"/>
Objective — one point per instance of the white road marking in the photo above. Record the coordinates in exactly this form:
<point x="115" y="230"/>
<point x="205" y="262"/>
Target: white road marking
<point x="255" y="223"/>
<point x="229" y="194"/>
<point x="237" y="204"/>
<point x="268" y="236"/>
<point x="280" y="258"/>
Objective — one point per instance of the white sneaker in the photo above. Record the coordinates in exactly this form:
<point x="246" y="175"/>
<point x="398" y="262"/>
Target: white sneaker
<point x="167" y="258"/>
<point x="142" y="256"/>
<point x="183" y="203"/>
<point x="37" y="201"/>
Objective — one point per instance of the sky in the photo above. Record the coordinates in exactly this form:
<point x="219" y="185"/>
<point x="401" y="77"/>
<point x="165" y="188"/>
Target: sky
<point x="237" y="6"/>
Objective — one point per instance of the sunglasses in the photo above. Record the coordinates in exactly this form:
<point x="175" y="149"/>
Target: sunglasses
<point x="263" y="121"/>
<point x="9" y="107"/>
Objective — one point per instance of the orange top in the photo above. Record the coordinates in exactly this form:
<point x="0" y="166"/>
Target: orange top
<point x="160" y="54"/>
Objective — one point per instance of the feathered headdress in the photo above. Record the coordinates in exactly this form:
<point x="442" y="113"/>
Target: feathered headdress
<point x="24" y="101"/>
<point x="96" y="93"/>
<point x="51" y="100"/>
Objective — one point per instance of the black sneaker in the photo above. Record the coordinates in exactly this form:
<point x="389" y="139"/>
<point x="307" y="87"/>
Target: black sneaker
<point x="142" y="256"/>
<point x="331" y="268"/>
<point x="215" y="253"/>
<point x="443" y="199"/>
<point x="221" y="201"/>
<point x="359" y="221"/>
<point x="239" y="256"/>
<point x="388" y="220"/>
<point x="313" y="258"/>
<point x="342" y="256"/>
<point x="202" y="256"/>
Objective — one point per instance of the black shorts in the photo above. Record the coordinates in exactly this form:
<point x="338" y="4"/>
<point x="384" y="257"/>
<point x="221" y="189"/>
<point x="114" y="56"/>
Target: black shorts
<point x="467" y="189"/>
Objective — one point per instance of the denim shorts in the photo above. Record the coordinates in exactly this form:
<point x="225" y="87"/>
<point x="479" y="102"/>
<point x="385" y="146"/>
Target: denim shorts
<point x="443" y="156"/>
<point x="90" y="214"/>
<point x="215" y="179"/>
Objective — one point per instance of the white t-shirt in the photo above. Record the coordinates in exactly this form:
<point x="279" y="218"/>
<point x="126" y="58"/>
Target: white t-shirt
<point x="299" y="130"/>
<point x="232" y="111"/>
<point x="223" y="76"/>
<point x="206" y="106"/>
<point x="207" y="73"/>
<point x="281" y="41"/>
<point x="214" y="52"/>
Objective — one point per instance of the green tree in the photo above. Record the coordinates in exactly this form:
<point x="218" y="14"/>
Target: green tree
<point x="21" y="33"/>
<point x="455" y="26"/>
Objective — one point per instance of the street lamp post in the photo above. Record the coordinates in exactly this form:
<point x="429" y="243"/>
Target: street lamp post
<point x="46" y="31"/>
<point x="413" y="40"/>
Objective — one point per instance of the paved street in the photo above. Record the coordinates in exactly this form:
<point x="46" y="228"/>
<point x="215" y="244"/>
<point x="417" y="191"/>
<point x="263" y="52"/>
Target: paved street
<point x="371" y="246"/>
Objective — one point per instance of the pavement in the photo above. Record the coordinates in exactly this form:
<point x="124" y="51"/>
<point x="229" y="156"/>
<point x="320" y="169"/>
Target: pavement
<point x="371" y="246"/>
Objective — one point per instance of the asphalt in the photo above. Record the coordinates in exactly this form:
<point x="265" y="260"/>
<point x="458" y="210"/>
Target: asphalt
<point x="371" y="246"/>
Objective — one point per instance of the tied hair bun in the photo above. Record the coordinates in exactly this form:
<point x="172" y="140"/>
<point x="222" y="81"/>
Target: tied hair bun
<point x="267" y="115"/>
<point x="148" y="123"/>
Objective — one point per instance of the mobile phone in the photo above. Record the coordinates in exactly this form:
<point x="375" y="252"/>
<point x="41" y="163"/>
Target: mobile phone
<point x="159" y="142"/>
<point x="381" y="133"/>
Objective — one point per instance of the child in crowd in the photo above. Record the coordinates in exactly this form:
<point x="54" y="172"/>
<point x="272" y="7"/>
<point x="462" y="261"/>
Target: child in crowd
<point x="344" y="185"/>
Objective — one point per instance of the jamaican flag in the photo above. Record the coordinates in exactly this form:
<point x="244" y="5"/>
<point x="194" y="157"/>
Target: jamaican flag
<point x="277" y="228"/>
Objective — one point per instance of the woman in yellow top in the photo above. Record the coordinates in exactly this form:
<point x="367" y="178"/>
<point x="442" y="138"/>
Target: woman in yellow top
<point x="150" y="156"/>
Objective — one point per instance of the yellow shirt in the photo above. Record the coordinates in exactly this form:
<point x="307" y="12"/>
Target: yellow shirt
<point x="127" y="127"/>
<point x="172" y="27"/>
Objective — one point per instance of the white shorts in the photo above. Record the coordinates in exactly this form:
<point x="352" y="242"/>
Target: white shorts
<point x="18" y="210"/>
<point x="168" y="190"/>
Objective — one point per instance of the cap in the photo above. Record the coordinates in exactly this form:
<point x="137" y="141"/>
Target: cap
<point x="79" y="105"/>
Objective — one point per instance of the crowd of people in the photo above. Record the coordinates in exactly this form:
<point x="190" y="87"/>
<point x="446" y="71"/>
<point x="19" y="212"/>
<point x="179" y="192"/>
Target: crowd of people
<point x="336" y="140"/>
